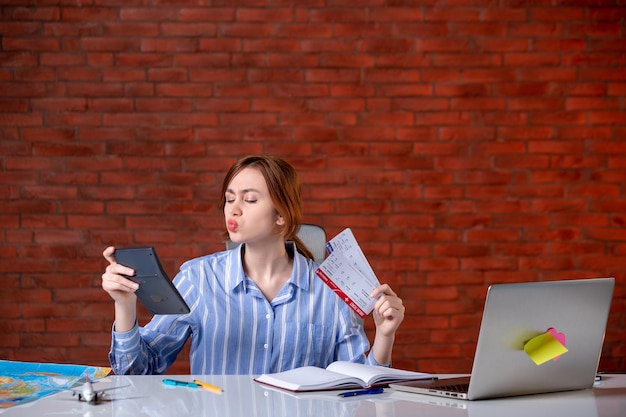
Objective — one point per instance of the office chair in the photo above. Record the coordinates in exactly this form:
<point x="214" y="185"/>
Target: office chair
<point x="313" y="237"/>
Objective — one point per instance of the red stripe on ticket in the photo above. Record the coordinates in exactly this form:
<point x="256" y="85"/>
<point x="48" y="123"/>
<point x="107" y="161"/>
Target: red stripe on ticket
<point x="340" y="293"/>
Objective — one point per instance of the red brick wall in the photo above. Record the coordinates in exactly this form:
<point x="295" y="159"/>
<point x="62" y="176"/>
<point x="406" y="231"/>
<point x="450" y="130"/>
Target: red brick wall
<point x="465" y="142"/>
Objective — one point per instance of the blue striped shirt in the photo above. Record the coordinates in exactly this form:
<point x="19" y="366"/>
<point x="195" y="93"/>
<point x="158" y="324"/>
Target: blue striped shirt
<point x="234" y="329"/>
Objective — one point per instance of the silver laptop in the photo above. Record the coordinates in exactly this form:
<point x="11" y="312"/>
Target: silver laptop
<point x="580" y="403"/>
<point x="513" y="315"/>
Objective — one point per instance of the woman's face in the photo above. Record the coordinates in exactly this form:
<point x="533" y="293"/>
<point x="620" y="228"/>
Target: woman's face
<point x="249" y="213"/>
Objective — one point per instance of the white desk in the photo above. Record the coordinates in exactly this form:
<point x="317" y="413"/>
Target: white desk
<point x="147" y="396"/>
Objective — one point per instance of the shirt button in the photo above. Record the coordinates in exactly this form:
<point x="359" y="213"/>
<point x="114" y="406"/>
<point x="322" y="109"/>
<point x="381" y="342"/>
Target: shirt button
<point x="266" y="346"/>
<point x="267" y="316"/>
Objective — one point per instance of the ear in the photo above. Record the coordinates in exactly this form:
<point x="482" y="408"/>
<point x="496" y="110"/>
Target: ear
<point x="279" y="220"/>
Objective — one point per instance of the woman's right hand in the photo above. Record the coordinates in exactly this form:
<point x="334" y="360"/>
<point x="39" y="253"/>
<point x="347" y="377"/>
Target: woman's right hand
<point x="122" y="291"/>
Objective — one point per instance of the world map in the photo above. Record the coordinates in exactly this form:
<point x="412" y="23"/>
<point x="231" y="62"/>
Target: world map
<point x="22" y="382"/>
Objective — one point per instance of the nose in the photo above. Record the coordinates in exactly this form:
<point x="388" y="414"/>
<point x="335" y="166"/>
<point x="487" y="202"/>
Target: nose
<point x="234" y="208"/>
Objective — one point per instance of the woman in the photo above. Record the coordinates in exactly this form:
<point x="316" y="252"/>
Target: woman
<point x="255" y="309"/>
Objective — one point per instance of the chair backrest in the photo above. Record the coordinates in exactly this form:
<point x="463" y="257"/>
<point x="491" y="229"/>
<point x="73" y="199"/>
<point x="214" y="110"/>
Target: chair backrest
<point x="313" y="236"/>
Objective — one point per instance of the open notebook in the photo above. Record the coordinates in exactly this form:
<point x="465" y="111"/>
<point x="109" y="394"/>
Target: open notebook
<point x="337" y="375"/>
<point x="518" y="316"/>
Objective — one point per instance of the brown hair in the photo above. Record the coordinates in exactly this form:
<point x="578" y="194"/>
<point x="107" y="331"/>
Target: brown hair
<point x="284" y="188"/>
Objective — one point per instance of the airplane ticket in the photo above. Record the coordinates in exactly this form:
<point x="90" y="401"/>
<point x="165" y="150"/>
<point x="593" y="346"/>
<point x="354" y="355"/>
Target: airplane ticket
<point x="348" y="273"/>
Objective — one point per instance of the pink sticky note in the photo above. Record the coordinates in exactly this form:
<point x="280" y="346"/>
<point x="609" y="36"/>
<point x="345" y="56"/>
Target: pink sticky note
<point x="558" y="336"/>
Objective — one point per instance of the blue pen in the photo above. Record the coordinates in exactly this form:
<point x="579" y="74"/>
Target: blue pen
<point x="176" y="383"/>
<point x="375" y="390"/>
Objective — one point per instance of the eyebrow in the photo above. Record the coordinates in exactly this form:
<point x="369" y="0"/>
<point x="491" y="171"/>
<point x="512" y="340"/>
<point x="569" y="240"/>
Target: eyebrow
<point x="246" y="190"/>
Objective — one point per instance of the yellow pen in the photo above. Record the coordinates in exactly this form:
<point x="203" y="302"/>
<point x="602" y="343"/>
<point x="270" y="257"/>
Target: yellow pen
<point x="213" y="388"/>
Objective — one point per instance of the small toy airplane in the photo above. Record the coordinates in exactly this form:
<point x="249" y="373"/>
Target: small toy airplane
<point x="89" y="395"/>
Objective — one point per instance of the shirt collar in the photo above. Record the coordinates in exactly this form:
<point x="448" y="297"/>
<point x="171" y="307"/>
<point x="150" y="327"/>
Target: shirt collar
<point x="235" y="275"/>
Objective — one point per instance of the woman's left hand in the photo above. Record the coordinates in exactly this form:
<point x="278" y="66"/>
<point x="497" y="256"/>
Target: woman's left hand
<point x="388" y="311"/>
